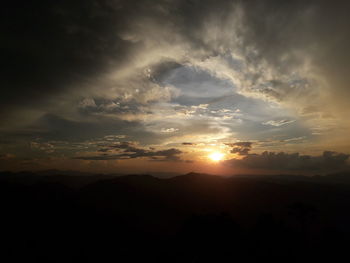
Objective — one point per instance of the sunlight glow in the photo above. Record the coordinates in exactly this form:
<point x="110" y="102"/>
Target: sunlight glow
<point x="216" y="156"/>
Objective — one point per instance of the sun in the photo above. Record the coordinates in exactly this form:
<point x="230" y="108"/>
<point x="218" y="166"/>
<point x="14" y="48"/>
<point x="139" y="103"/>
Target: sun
<point x="216" y="156"/>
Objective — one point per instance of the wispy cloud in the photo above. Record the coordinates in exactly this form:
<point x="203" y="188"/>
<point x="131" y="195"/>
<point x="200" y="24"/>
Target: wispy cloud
<point x="278" y="123"/>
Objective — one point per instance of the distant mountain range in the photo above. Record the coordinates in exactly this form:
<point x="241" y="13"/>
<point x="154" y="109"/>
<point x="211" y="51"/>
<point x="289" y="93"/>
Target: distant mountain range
<point x="76" y="178"/>
<point x="55" y="216"/>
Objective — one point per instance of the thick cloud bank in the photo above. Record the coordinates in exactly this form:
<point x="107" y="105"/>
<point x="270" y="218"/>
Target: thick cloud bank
<point x="328" y="161"/>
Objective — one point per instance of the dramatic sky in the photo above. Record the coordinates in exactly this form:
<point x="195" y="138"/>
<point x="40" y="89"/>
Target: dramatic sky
<point x="170" y="86"/>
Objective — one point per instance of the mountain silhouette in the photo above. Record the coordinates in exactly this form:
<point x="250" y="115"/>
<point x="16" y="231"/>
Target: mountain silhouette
<point x="189" y="218"/>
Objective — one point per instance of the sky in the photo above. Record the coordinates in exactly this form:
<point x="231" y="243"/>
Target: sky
<point x="226" y="87"/>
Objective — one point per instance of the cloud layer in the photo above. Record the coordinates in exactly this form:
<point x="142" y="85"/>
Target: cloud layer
<point x="128" y="150"/>
<point x="328" y="161"/>
<point x="169" y="72"/>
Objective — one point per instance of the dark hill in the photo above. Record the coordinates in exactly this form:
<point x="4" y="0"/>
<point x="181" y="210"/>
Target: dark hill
<point x="189" y="218"/>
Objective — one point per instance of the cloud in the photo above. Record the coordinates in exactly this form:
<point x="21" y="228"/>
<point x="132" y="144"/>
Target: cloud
<point x="53" y="127"/>
<point x="81" y="70"/>
<point x="7" y="156"/>
<point x="46" y="147"/>
<point x="130" y="150"/>
<point x="240" y="148"/>
<point x="188" y="143"/>
<point x="86" y="46"/>
<point x="110" y="35"/>
<point x="169" y="130"/>
<point x="278" y="123"/>
<point x="292" y="161"/>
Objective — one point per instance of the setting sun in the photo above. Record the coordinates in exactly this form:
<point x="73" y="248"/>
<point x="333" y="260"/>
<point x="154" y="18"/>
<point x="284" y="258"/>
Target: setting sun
<point x="216" y="156"/>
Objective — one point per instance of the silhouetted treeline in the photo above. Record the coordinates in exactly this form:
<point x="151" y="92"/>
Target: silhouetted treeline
<point x="190" y="218"/>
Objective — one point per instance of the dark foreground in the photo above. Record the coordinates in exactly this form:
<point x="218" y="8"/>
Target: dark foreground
<point x="190" y="218"/>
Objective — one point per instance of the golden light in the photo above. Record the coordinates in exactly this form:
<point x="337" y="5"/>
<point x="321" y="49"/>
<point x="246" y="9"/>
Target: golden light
<point x="216" y="156"/>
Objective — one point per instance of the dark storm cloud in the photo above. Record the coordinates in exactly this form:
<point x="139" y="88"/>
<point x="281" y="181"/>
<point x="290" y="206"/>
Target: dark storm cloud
<point x="50" y="46"/>
<point x="316" y="29"/>
<point x="241" y="148"/>
<point x="128" y="150"/>
<point x="53" y="127"/>
<point x="292" y="161"/>
<point x="276" y="25"/>
<point x="53" y="48"/>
